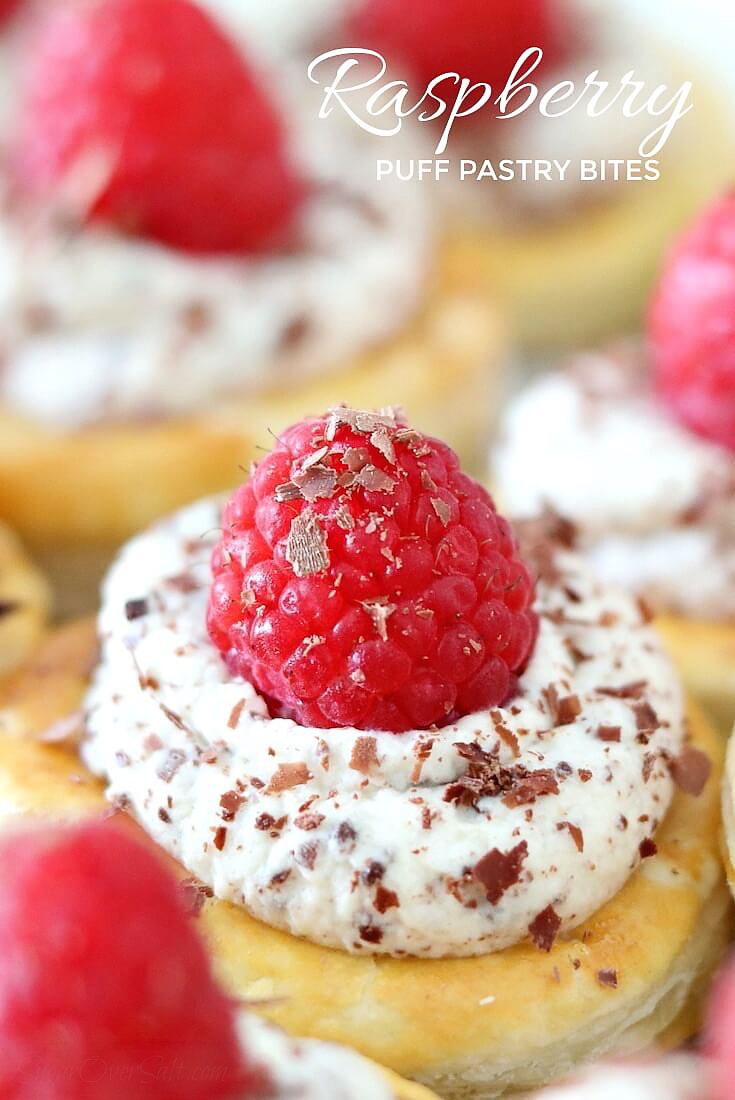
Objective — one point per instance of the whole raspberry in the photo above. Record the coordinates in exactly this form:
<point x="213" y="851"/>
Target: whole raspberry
<point x="142" y="114"/>
<point x="363" y="580"/>
<point x="720" y="1034"/>
<point x="105" y="989"/>
<point x="479" y="39"/>
<point x="692" y="326"/>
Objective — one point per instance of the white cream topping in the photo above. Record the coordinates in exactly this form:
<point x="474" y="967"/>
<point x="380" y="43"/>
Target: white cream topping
<point x="654" y="503"/>
<point x="307" y="1069"/>
<point x="95" y="325"/>
<point x="681" y="1077"/>
<point x="361" y="840"/>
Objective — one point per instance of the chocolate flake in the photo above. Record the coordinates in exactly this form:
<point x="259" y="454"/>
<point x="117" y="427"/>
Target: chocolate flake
<point x="135" y="609"/>
<point x="498" y="871"/>
<point x="288" y="775"/>
<point x="633" y="690"/>
<point x="608" y="978"/>
<point x="316" y="481"/>
<point x="530" y="787"/>
<point x="608" y="733"/>
<point x="287" y="491"/>
<point x="220" y="836"/>
<point x="646" y="719"/>
<point x="691" y="770"/>
<point x="442" y="510"/>
<point x="295" y="333"/>
<point x="374" y="480"/>
<point x="8" y="607"/>
<point x="575" y="832"/>
<point x="168" y="769"/>
<point x="346" y="836"/>
<point x="364" y="755"/>
<point x="379" y="611"/>
<point x="234" y="719"/>
<point x="194" y="894"/>
<point x="544" y="928"/>
<point x="564" y="709"/>
<point x="306" y="546"/>
<point x="385" y="899"/>
<point x="231" y="801"/>
<point x="370" y="933"/>
<point x="647" y="848"/>
<point x="306" y="854"/>
<point x="307" y="822"/>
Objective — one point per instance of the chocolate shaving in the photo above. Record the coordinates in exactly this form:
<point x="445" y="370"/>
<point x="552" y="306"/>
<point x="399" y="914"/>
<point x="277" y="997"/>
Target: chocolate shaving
<point x="647" y="848"/>
<point x="381" y="440"/>
<point x="442" y="510"/>
<point x="563" y="709"/>
<point x="646" y="719"/>
<point x="346" y="836"/>
<point x="691" y="770"/>
<point x="608" y="733"/>
<point x="306" y="854"/>
<point x="648" y="761"/>
<point x="8" y="607"/>
<point x="194" y="894"/>
<point x="288" y="775"/>
<point x="287" y="491"/>
<point x="234" y="719"/>
<point x="294" y="333"/>
<point x="230" y="801"/>
<point x="544" y="928"/>
<point x="316" y="481"/>
<point x="498" y="871"/>
<point x="633" y="690"/>
<point x="379" y="611"/>
<point x="385" y="899"/>
<point x="364" y="755"/>
<point x="306" y="546"/>
<point x="174" y="759"/>
<point x="530" y="787"/>
<point x="575" y="832"/>
<point x="220" y="836"/>
<point x="343" y="518"/>
<point x="374" y="480"/>
<point x="370" y="933"/>
<point x="135" y="609"/>
<point x="608" y="978"/>
<point x="307" y="822"/>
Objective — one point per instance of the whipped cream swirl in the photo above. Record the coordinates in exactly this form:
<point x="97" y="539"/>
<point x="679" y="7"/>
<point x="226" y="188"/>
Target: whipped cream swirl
<point x="511" y="823"/>
<point x="98" y="326"/>
<point x="654" y="504"/>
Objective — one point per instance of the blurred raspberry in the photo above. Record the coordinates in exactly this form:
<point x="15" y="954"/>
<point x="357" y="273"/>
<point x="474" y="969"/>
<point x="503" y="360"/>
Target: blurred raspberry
<point x="142" y="114"/>
<point x="363" y="580"/>
<point x="692" y="326"/>
<point x="105" y="988"/>
<point x="479" y="39"/>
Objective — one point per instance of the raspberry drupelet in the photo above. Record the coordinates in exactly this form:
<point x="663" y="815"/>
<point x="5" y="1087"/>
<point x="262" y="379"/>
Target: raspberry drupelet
<point x="362" y="579"/>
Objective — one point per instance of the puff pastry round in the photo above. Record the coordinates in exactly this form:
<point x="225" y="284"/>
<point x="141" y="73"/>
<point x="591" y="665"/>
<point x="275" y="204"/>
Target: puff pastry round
<point x="704" y="653"/>
<point x="472" y="1027"/>
<point x="24" y="600"/>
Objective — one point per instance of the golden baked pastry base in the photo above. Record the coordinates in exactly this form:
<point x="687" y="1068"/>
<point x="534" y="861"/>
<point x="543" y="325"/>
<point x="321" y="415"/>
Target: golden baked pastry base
<point x="465" y="1027"/>
<point x="704" y="653"/>
<point x="24" y="599"/>
<point x="76" y="496"/>
<point x="728" y="815"/>
<point x="586" y="277"/>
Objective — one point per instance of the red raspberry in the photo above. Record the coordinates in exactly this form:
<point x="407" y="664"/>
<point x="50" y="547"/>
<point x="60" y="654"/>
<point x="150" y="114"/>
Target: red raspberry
<point x="692" y="326"/>
<point x="721" y="1035"/>
<point x="105" y="989"/>
<point x="153" y="115"/>
<point x="363" y="580"/>
<point x="479" y="39"/>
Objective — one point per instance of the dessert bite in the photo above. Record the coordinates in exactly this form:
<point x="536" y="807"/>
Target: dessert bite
<point x="409" y="756"/>
<point x="639" y="453"/>
<point x="93" y="1007"/>
<point x="188" y="253"/>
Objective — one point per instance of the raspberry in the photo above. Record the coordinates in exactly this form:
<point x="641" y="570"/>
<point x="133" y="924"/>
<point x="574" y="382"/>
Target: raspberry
<point x="150" y="114"/>
<point x="105" y="989"/>
<point x="479" y="39"/>
<point x="720" y="1034"/>
<point x="363" y="580"/>
<point x="692" y="326"/>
